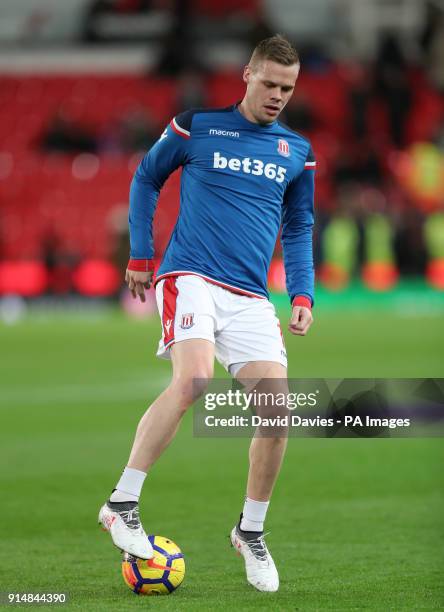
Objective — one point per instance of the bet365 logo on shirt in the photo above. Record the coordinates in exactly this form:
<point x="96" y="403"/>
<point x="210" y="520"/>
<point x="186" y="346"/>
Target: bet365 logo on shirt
<point x="250" y="166"/>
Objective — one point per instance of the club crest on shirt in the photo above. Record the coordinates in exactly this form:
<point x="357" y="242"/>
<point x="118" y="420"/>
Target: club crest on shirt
<point x="283" y="147"/>
<point x="187" y="320"/>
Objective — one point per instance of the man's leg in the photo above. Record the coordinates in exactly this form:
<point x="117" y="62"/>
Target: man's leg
<point x="266" y="453"/>
<point x="265" y="457"/>
<point x="192" y="359"/>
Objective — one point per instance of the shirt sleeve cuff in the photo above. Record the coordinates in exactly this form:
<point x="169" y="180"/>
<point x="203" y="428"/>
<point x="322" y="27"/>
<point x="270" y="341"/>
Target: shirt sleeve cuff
<point x="301" y="300"/>
<point x="141" y="265"/>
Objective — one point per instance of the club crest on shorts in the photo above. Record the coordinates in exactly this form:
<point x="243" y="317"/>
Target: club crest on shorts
<point x="187" y="320"/>
<point x="283" y="147"/>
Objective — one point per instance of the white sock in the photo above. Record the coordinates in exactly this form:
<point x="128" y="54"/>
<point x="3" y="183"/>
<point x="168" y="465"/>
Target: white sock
<point x="129" y="486"/>
<point x="253" y="515"/>
<point x="120" y="496"/>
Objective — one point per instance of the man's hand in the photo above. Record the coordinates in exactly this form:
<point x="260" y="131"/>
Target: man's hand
<point x="138" y="282"/>
<point x="301" y="319"/>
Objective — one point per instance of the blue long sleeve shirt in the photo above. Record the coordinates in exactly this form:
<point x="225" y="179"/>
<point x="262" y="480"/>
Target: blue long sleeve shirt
<point x="241" y="182"/>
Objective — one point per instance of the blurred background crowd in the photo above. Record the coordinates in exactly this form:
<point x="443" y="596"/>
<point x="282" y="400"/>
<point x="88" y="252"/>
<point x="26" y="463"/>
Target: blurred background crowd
<point x="87" y="86"/>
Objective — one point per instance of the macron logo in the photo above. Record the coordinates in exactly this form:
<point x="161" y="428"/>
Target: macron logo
<point x="214" y="132"/>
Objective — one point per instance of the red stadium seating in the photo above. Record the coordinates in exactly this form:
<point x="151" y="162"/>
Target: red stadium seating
<point x="70" y="199"/>
<point x="26" y="278"/>
<point x="96" y="278"/>
<point x="39" y="193"/>
<point x="223" y="8"/>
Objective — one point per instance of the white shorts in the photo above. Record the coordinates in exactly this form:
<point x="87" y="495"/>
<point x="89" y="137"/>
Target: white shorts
<point x="242" y="328"/>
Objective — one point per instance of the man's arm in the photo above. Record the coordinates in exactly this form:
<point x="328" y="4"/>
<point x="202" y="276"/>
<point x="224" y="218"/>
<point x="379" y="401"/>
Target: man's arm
<point x="169" y="152"/>
<point x="297" y="243"/>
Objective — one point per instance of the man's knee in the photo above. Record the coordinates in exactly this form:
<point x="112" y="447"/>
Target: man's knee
<point x="188" y="386"/>
<point x="270" y="440"/>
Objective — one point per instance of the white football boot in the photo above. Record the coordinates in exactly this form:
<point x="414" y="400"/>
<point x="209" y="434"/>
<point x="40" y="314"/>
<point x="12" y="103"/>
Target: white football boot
<point x="259" y="564"/>
<point x="123" y="523"/>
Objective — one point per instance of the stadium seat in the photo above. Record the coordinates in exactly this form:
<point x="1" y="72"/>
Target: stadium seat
<point x="25" y="278"/>
<point x="96" y="278"/>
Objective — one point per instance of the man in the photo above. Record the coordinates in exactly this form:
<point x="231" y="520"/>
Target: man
<point x="243" y="174"/>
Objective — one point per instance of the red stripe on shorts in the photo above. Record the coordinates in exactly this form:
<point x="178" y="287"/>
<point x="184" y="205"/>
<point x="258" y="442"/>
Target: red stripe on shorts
<point x="169" y="309"/>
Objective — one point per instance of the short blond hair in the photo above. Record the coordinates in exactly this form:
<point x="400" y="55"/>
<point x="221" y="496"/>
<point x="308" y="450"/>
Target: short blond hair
<point x="277" y="49"/>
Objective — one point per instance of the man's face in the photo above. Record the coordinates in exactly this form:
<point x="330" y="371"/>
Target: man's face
<point x="269" y="87"/>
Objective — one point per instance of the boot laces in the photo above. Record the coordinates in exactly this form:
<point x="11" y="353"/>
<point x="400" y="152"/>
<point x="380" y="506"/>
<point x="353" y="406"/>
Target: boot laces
<point x="131" y="518"/>
<point x="258" y="547"/>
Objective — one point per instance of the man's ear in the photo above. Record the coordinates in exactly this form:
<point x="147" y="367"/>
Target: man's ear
<point x="247" y="73"/>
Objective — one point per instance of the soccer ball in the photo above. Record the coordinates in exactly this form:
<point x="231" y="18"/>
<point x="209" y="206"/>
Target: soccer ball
<point x="160" y="575"/>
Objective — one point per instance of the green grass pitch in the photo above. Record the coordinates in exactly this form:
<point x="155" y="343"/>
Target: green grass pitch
<point x="355" y="524"/>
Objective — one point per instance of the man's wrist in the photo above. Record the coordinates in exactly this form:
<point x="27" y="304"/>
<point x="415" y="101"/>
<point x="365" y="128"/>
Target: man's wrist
<point x="301" y="300"/>
<point x="141" y="265"/>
